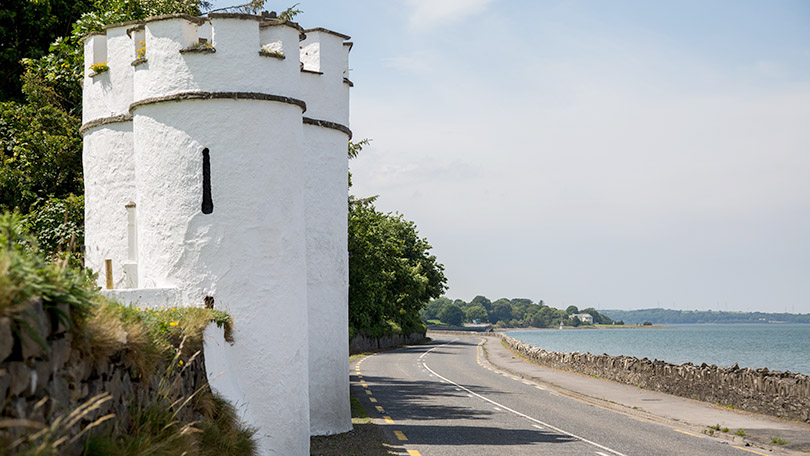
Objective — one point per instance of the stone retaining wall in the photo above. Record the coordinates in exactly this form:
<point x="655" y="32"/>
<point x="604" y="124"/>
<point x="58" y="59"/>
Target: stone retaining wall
<point x="361" y="343"/>
<point x="41" y="383"/>
<point x="781" y="394"/>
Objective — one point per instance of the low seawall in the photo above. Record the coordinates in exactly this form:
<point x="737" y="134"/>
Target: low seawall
<point x="361" y="343"/>
<point x="781" y="394"/>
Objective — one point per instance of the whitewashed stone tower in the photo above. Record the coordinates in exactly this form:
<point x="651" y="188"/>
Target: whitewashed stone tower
<point x="215" y="173"/>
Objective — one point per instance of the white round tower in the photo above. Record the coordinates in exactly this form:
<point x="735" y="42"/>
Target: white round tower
<point x="218" y="135"/>
<point x="325" y="86"/>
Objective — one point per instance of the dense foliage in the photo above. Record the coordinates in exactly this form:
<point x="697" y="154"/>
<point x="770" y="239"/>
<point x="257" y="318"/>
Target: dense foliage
<point x="511" y="313"/>
<point x="27" y="28"/>
<point x="665" y="316"/>
<point x="391" y="273"/>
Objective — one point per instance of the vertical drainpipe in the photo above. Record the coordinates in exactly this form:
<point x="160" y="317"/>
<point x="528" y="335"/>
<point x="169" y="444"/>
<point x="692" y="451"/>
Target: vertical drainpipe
<point x="131" y="266"/>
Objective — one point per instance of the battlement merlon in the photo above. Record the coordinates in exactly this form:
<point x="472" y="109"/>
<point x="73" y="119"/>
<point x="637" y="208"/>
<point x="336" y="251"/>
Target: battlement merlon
<point x="323" y="51"/>
<point x="324" y="79"/>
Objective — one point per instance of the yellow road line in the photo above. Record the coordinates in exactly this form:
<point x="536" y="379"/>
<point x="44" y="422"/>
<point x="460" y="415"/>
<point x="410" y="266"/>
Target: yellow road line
<point x="368" y="392"/>
<point x="751" y="451"/>
<point x="364" y="384"/>
<point x="689" y="433"/>
<point x="539" y="387"/>
<point x="553" y="393"/>
<point x="400" y="435"/>
<point x="372" y="399"/>
<point x="379" y="409"/>
<point x="414" y="453"/>
<point x="388" y="419"/>
<point x="527" y="383"/>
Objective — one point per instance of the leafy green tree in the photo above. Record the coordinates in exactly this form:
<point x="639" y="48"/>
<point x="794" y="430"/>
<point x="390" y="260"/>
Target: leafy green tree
<point x="432" y="309"/>
<point x="27" y="28"/>
<point x="501" y="311"/>
<point x="570" y="310"/>
<point x="452" y="315"/>
<point x="477" y="313"/>
<point x="41" y="155"/>
<point x="482" y="301"/>
<point x="392" y="274"/>
<point x="58" y="224"/>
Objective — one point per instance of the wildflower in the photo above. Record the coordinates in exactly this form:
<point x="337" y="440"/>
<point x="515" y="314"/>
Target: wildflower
<point x="174" y="323"/>
<point x="180" y="363"/>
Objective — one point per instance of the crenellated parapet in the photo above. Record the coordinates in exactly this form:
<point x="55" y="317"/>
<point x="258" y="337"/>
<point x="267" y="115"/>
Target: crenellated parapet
<point x="168" y="55"/>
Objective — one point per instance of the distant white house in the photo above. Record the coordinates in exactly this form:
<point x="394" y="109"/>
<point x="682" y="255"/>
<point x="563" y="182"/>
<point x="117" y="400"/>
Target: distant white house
<point x="584" y="318"/>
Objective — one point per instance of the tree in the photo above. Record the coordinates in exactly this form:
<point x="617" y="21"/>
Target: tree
<point x="392" y="274"/>
<point x="27" y="28"/>
<point x="477" y="313"/>
<point x="501" y="311"/>
<point x="570" y="310"/>
<point x="41" y="156"/>
<point x="452" y="315"/>
<point x="482" y="301"/>
<point x="432" y="309"/>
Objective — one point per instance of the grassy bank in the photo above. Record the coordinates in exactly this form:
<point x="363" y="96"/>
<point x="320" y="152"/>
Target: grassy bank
<point x="41" y="296"/>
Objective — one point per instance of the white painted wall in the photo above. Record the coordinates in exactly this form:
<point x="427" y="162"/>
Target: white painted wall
<point x="327" y="279"/>
<point x="109" y="184"/>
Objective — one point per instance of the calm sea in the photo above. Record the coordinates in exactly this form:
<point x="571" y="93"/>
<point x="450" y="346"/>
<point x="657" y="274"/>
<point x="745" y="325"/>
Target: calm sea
<point x="776" y="346"/>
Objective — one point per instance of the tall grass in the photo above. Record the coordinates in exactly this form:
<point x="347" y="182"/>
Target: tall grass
<point x="150" y="343"/>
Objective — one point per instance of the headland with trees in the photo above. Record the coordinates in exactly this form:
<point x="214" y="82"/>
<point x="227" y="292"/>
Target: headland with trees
<point x="508" y="313"/>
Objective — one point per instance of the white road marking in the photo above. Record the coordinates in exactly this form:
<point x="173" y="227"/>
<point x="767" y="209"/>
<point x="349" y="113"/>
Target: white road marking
<point x="600" y="453"/>
<point x="537" y="426"/>
<point x="602" y="447"/>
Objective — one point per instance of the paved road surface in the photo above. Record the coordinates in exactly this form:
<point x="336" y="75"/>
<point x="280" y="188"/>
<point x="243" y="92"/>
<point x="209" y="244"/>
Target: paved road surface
<point x="443" y="398"/>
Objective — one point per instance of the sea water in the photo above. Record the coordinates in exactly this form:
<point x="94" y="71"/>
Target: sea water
<point x="784" y="347"/>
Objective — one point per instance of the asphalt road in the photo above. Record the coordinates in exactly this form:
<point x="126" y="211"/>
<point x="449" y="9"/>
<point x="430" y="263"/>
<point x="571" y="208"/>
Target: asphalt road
<point x="442" y="398"/>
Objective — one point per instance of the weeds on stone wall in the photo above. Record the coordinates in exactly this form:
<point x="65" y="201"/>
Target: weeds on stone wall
<point x="165" y="407"/>
<point x="26" y="274"/>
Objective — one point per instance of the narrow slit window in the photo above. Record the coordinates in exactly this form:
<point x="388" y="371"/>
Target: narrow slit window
<point x="207" y="201"/>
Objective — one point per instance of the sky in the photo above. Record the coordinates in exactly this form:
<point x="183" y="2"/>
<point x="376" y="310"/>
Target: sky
<point x="620" y="155"/>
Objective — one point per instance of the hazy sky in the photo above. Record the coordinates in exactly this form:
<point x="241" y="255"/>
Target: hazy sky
<point x="621" y="154"/>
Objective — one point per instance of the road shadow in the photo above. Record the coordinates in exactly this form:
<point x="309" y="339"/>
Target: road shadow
<point x="413" y="400"/>
<point x="480" y="435"/>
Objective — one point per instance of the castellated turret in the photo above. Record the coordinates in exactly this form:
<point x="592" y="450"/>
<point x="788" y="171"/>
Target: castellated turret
<point x="215" y="174"/>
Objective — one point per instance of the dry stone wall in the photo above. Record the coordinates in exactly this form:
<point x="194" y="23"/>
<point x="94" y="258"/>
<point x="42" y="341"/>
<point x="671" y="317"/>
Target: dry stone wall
<point x="42" y="383"/>
<point x="781" y="394"/>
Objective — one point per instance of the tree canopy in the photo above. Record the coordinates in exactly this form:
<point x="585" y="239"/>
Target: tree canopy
<point x="392" y="274"/>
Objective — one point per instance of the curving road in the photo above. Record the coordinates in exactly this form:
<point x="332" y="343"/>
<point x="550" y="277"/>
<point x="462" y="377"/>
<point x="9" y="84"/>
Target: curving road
<point x="442" y="398"/>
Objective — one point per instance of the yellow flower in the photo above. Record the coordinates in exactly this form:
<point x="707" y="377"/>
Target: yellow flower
<point x="180" y="363"/>
<point x="174" y="323"/>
